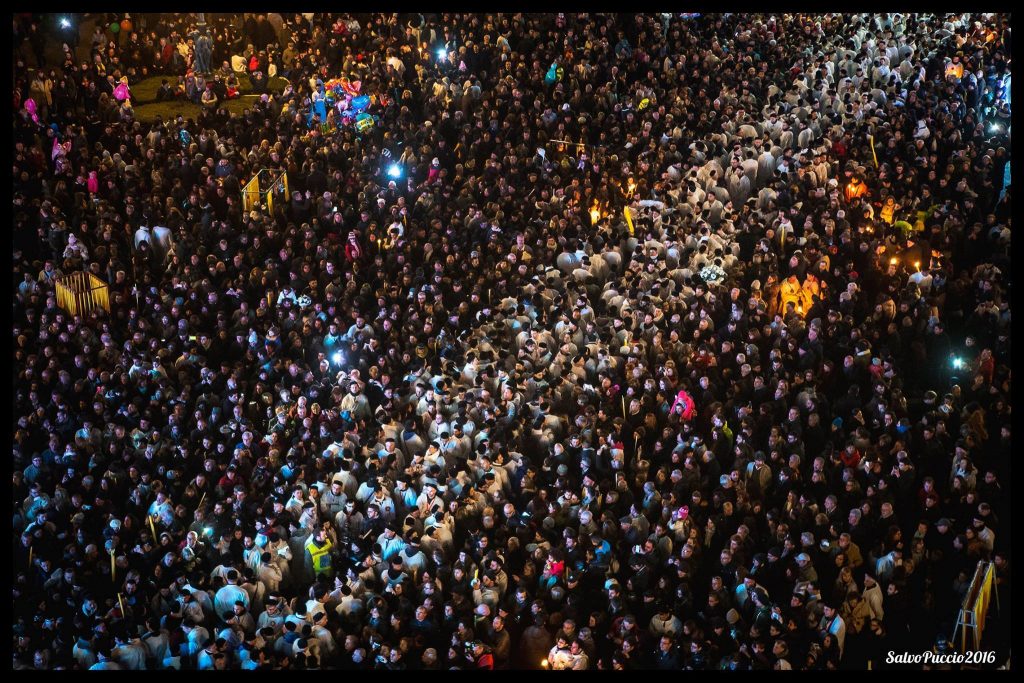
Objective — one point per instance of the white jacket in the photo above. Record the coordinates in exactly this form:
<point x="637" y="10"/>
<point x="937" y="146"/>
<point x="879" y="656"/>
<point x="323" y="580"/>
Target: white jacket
<point x="873" y="596"/>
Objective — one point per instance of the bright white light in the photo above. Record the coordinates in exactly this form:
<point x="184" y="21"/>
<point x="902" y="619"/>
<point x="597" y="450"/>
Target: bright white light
<point x="442" y="54"/>
<point x="64" y="23"/>
<point x="336" y="358"/>
<point x="994" y="128"/>
<point x="958" y="363"/>
<point x="394" y="170"/>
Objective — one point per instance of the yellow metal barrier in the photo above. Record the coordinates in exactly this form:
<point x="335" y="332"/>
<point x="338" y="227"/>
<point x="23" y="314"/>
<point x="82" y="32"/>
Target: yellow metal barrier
<point x="975" y="607"/>
<point x="251" y="194"/>
<point x="265" y="186"/>
<point x="82" y="292"/>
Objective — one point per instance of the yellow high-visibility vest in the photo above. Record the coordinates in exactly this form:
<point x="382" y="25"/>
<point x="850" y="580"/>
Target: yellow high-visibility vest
<point x="321" y="557"/>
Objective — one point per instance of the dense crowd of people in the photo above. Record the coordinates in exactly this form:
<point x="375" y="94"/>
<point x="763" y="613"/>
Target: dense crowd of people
<point x="619" y="342"/>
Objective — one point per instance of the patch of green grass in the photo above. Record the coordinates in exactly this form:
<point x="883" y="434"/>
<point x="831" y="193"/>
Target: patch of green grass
<point x="145" y="91"/>
<point x="147" y="108"/>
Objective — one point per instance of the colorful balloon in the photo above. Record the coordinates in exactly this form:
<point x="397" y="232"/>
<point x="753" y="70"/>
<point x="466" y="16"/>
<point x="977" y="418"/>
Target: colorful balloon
<point x="115" y="28"/>
<point x="360" y="103"/>
<point x="30" y="107"/>
<point x="364" y="122"/>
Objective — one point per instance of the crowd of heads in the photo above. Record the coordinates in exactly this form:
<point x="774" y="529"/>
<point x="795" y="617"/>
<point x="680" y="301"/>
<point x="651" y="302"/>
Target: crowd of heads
<point x="675" y="342"/>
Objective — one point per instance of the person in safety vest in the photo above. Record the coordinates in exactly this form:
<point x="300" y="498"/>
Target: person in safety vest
<point x="319" y="554"/>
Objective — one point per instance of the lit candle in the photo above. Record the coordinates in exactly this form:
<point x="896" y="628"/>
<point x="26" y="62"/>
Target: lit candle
<point x="595" y="215"/>
<point x="153" y="529"/>
<point x="893" y="261"/>
<point x="30" y="556"/>
<point x="113" y="566"/>
<point x="544" y="663"/>
<point x="917" y="266"/>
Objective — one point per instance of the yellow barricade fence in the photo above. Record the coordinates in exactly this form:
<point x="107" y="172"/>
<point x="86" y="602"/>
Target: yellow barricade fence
<point x="82" y="292"/>
<point x="971" y="622"/>
<point x="251" y="193"/>
<point x="264" y="186"/>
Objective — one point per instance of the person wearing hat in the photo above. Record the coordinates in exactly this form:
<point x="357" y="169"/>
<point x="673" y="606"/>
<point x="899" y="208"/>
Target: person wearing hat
<point x="391" y="544"/>
<point x="806" y="573"/>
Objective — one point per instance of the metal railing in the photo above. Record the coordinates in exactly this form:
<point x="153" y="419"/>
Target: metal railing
<point x="971" y="620"/>
<point x="82" y="292"/>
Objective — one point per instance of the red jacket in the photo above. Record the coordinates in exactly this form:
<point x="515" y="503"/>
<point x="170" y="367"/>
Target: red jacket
<point x="987" y="368"/>
<point x="686" y="401"/>
<point x="353" y="251"/>
<point x="850" y="459"/>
